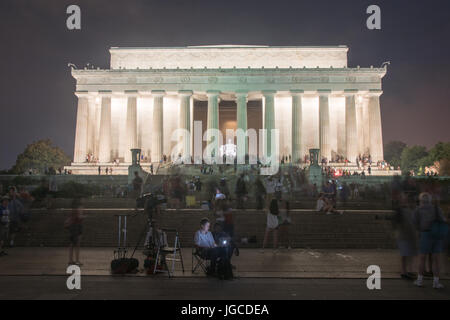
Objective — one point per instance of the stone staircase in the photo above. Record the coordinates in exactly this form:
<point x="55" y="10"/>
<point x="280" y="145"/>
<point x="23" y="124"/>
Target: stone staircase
<point x="354" y="229"/>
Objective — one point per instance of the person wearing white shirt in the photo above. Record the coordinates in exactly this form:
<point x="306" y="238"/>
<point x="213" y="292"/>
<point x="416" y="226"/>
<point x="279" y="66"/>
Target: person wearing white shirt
<point x="208" y="249"/>
<point x="321" y="204"/>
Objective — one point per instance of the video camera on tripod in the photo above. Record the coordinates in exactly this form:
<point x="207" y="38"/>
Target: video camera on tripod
<point x="121" y="263"/>
<point x="150" y="199"/>
<point x="149" y="202"/>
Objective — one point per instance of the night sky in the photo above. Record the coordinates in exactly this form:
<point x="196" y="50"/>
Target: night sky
<point x="37" y="99"/>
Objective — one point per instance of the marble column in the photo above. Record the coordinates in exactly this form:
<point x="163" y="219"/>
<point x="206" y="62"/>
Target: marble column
<point x="98" y="112"/>
<point x="376" y="139"/>
<point x="366" y="125"/>
<point x="269" y="121"/>
<point x="131" y="125"/>
<point x="105" y="128"/>
<point x="157" y="130"/>
<point x="80" y="150"/>
<point x="92" y="126"/>
<point x="324" y="125"/>
<point x="185" y="123"/>
<point x="351" y="134"/>
<point x="360" y="124"/>
<point x="241" y="116"/>
<point x="213" y="118"/>
<point x="297" y="116"/>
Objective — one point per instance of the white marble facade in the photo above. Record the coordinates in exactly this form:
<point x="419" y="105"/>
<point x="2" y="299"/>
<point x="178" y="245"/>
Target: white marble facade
<point x="308" y="93"/>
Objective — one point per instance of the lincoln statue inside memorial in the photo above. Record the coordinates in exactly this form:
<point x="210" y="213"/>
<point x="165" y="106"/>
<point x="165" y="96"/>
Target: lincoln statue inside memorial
<point x="308" y="93"/>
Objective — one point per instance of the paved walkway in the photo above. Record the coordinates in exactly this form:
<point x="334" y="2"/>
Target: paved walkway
<point x="105" y="287"/>
<point x="296" y="263"/>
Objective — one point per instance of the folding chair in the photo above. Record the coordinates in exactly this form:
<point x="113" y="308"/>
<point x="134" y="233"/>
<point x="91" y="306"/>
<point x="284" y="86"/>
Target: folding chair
<point x="164" y="251"/>
<point x="200" y="261"/>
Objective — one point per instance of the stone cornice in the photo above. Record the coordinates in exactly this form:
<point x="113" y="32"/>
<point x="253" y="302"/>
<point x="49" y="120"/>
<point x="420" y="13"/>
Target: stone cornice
<point x="76" y="73"/>
<point x="213" y="77"/>
<point x="362" y="79"/>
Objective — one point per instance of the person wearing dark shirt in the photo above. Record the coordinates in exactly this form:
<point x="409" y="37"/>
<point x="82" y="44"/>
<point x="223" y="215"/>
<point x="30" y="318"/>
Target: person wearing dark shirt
<point x="241" y="192"/>
<point x="137" y="183"/>
<point x="15" y="208"/>
<point x="260" y="193"/>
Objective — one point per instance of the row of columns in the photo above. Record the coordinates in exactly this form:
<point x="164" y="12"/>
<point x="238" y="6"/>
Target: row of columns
<point x="352" y="136"/>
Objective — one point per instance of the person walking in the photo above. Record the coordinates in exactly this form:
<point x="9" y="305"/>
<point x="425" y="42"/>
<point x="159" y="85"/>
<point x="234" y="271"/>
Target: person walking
<point x="406" y="236"/>
<point x="137" y="184"/>
<point x="260" y="193"/>
<point x="241" y="192"/>
<point x="272" y="225"/>
<point x="4" y="224"/>
<point x="15" y="208"/>
<point x="270" y="190"/>
<point x="74" y="224"/>
<point x="425" y="217"/>
<point x="285" y="221"/>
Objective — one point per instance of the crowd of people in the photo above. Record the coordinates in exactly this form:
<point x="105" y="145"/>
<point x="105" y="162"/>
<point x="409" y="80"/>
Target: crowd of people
<point x="420" y="230"/>
<point x="416" y="212"/>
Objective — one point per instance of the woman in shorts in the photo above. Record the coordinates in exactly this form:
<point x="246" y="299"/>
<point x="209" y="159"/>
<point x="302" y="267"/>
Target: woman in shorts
<point x="272" y="224"/>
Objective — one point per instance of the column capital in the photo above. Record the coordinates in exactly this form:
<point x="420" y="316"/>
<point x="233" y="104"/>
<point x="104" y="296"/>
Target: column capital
<point x="374" y="93"/>
<point x="324" y="92"/>
<point x="241" y="93"/>
<point x="185" y="93"/>
<point x="105" y="93"/>
<point x="268" y="93"/>
<point x="158" y="93"/>
<point x="212" y="93"/>
<point x="350" y="92"/>
<point x="297" y="92"/>
<point x="82" y="94"/>
<point x="131" y="93"/>
<point x="144" y="93"/>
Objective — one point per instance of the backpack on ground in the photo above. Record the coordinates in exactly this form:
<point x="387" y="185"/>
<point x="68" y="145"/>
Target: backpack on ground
<point x="225" y="270"/>
<point x="124" y="265"/>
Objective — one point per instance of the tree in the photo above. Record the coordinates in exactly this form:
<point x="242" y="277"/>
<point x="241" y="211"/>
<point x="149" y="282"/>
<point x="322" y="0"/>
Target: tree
<point x="393" y="152"/>
<point x="39" y="156"/>
<point x="444" y="167"/>
<point x="439" y="152"/>
<point x="439" y="156"/>
<point x="412" y="158"/>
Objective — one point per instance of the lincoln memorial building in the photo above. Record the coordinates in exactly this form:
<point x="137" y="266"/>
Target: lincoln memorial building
<point x="308" y="93"/>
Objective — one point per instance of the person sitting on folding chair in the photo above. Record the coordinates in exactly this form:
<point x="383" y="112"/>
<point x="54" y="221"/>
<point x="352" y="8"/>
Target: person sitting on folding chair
<point x="207" y="247"/>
